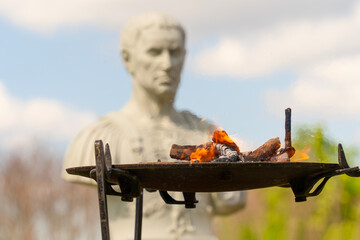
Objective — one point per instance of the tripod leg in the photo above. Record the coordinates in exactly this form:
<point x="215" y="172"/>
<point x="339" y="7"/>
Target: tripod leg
<point x="100" y="178"/>
<point x="138" y="216"/>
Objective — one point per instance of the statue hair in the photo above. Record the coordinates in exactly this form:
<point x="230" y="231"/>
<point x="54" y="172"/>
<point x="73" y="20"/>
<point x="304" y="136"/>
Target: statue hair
<point x="133" y="28"/>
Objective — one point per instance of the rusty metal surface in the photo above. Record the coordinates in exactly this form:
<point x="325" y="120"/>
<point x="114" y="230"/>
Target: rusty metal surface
<point x="100" y="170"/>
<point x="216" y="177"/>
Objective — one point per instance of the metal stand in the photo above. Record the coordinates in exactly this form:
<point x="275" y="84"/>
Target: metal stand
<point x="106" y="176"/>
<point x="100" y="179"/>
<point x="302" y="187"/>
<point x="138" y="217"/>
<point x="204" y="177"/>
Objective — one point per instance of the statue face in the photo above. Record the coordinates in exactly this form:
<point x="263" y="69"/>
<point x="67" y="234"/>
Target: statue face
<point x="157" y="60"/>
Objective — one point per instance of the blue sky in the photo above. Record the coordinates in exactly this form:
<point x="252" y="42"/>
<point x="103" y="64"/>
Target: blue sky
<point x="60" y="66"/>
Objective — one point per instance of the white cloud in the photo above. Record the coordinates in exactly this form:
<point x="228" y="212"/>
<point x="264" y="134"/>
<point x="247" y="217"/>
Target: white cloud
<point x="292" y="45"/>
<point x="323" y="53"/>
<point x="329" y="89"/>
<point x="199" y="16"/>
<point x="41" y="120"/>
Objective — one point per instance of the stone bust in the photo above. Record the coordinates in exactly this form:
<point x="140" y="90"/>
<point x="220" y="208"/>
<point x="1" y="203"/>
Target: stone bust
<point x="153" y="50"/>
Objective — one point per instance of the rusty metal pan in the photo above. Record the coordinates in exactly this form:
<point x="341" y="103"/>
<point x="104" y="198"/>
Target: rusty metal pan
<point x="216" y="177"/>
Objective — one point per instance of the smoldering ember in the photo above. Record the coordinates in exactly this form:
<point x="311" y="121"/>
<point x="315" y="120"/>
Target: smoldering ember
<point x="218" y="151"/>
<point x="224" y="149"/>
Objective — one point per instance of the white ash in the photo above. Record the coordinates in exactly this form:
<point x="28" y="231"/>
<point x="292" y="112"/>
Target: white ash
<point x="283" y="157"/>
<point x="226" y="153"/>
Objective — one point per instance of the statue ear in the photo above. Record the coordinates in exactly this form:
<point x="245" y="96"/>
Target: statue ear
<point x="126" y="57"/>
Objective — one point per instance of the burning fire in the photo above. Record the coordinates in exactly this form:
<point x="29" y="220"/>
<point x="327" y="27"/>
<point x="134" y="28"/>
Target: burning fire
<point x="222" y="137"/>
<point x="203" y="154"/>
<point x="301" y="155"/>
<point x="207" y="153"/>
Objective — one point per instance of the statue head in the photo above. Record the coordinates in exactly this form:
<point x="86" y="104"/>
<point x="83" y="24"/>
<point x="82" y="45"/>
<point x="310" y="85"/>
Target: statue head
<point x="153" y="49"/>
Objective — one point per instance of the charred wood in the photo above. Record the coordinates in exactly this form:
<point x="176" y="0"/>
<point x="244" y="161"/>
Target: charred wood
<point x="288" y="147"/>
<point x="183" y="152"/>
<point x="221" y="150"/>
<point x="264" y="152"/>
<point x="269" y="151"/>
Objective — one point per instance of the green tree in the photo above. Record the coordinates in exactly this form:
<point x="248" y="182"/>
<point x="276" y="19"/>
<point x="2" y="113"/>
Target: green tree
<point x="314" y="138"/>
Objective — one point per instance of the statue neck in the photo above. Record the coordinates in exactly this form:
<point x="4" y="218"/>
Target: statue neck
<point x="150" y="105"/>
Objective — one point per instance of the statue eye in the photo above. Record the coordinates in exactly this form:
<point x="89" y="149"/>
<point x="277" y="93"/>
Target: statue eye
<point x="154" y="51"/>
<point x="175" y="52"/>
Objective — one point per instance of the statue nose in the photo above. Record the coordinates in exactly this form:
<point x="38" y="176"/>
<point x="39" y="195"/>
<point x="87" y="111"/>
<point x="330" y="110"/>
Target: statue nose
<point x="166" y="60"/>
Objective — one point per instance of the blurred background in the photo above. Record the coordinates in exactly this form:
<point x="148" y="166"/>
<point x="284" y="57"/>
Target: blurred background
<point x="60" y="69"/>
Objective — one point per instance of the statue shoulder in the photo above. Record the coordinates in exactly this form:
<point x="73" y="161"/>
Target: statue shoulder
<point x="106" y="127"/>
<point x="109" y="128"/>
<point x="196" y="122"/>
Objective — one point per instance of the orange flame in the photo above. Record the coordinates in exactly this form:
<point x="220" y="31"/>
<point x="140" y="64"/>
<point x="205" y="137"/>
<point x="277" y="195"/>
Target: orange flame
<point x="301" y="155"/>
<point x="206" y="153"/>
<point x="220" y="136"/>
<point x="203" y="155"/>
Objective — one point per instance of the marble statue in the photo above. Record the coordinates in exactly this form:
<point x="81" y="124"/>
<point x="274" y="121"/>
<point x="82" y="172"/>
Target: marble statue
<point x="153" y="50"/>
